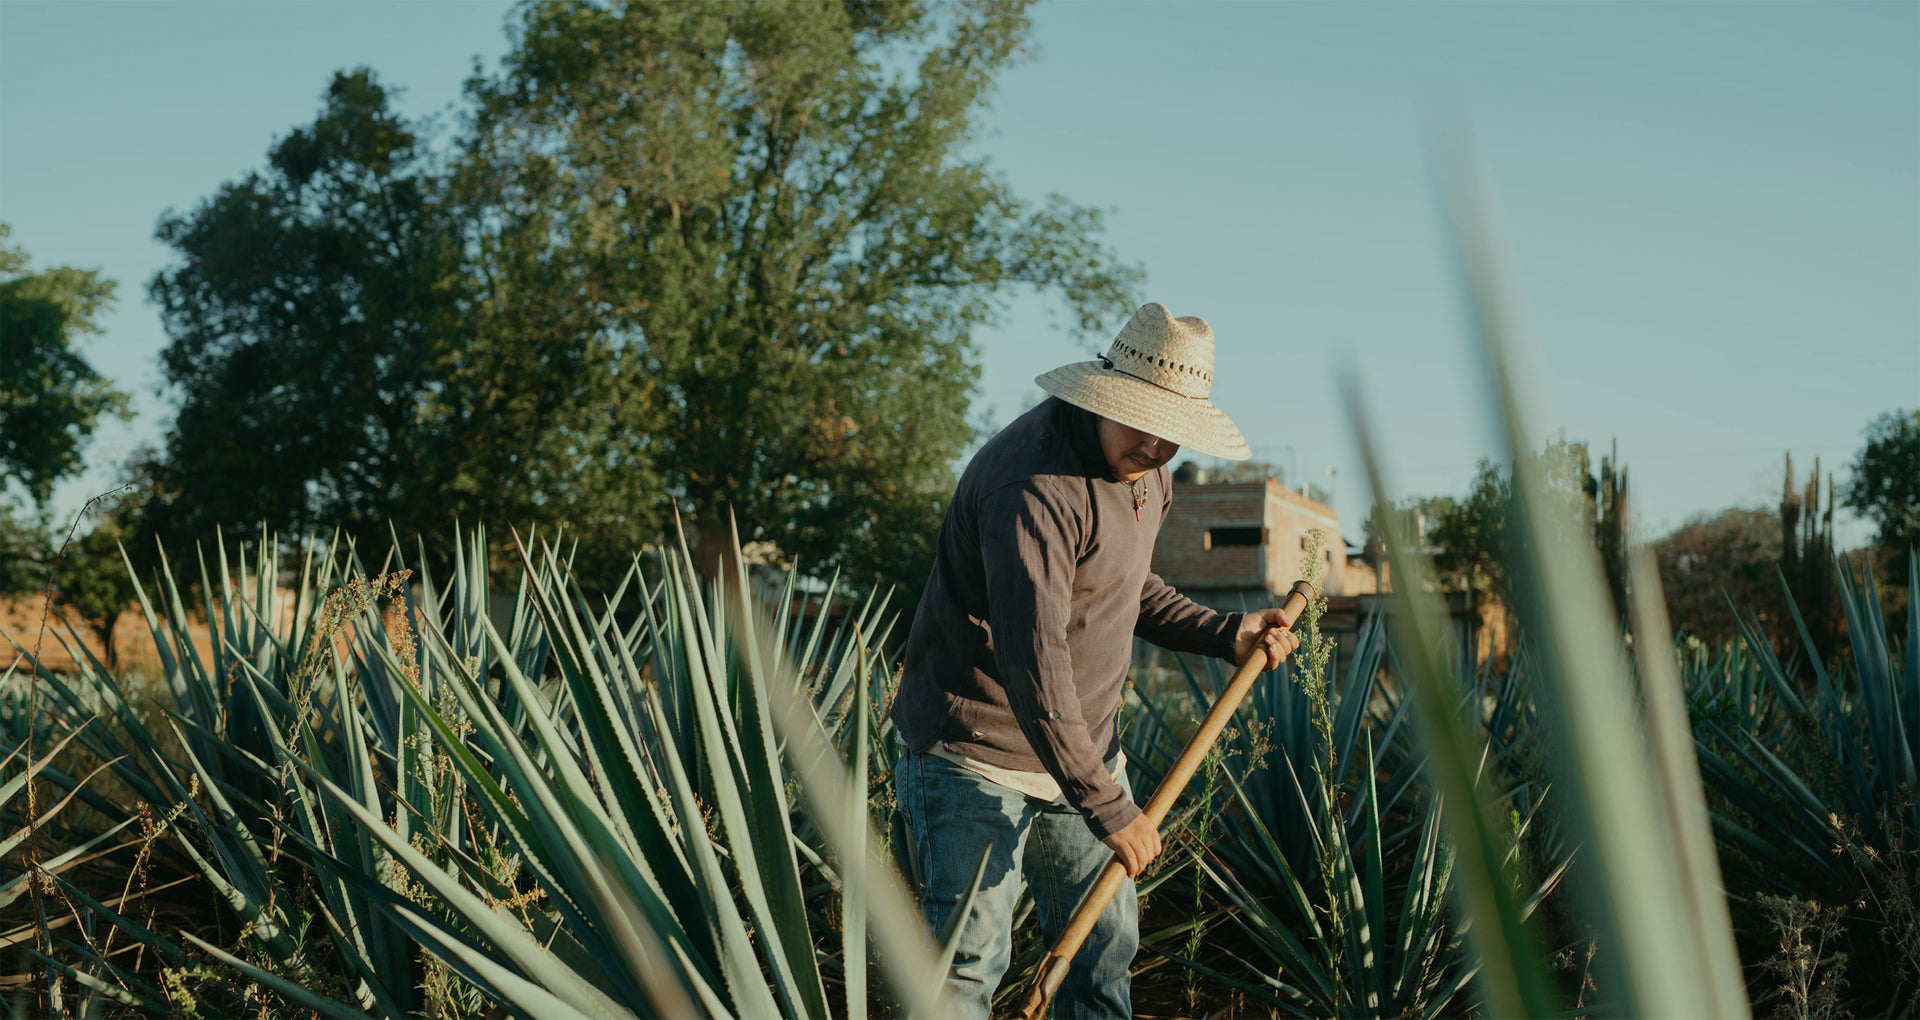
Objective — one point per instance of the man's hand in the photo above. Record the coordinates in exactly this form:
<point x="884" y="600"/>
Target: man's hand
<point x="1268" y="631"/>
<point x="1135" y="845"/>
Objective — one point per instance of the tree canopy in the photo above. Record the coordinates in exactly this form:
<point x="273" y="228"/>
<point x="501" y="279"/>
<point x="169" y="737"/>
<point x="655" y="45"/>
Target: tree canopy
<point x="1714" y="563"/>
<point x="1470" y="538"/>
<point x="51" y="399"/>
<point x="1885" y="486"/>
<point x="680" y="256"/>
<point x="305" y="320"/>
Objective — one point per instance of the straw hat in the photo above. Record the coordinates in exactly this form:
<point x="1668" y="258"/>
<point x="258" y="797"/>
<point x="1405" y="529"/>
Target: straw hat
<point x="1155" y="378"/>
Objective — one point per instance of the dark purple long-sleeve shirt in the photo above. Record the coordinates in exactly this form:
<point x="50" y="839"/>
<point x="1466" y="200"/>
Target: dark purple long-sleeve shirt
<point x="1019" y="652"/>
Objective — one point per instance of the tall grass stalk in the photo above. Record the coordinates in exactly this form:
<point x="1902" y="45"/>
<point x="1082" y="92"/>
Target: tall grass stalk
<point x="1316" y="654"/>
<point x="1669" y="735"/>
<point x="1513" y="980"/>
<point x="1666" y="956"/>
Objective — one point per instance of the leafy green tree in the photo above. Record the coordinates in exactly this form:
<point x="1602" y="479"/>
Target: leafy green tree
<point x="704" y="257"/>
<point x="24" y="548"/>
<point x="765" y="217"/>
<point x="1714" y="558"/>
<point x="1886" y="481"/>
<point x="1738" y="558"/>
<point x="333" y="369"/>
<point x="1470" y="538"/>
<point x="93" y="580"/>
<point x="51" y="398"/>
<point x="306" y="318"/>
<point x="51" y="401"/>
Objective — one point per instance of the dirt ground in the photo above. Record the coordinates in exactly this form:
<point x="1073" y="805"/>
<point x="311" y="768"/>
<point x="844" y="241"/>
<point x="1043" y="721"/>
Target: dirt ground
<point x="1163" y="990"/>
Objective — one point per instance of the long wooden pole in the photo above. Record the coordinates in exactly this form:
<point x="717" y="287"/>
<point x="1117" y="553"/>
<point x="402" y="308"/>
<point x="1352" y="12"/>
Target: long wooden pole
<point x="1053" y="966"/>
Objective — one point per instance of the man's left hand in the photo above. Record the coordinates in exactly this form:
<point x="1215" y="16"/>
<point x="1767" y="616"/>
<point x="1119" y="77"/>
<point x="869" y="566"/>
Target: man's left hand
<point x="1268" y="632"/>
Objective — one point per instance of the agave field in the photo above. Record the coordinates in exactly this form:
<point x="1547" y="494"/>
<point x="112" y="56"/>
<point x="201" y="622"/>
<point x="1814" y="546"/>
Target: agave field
<point x="419" y="798"/>
<point x="387" y="790"/>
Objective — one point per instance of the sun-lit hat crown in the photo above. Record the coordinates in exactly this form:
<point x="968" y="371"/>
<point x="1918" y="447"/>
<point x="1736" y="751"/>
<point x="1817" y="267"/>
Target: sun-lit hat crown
<point x="1173" y="354"/>
<point x="1155" y="377"/>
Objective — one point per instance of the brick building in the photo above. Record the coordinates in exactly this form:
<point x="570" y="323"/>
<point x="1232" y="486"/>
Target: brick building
<point x="1236" y="545"/>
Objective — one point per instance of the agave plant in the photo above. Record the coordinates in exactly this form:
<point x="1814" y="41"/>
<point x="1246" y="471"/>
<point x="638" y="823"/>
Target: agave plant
<point x="154" y="781"/>
<point x="1327" y="855"/>
<point x="52" y="838"/>
<point x="1861" y="724"/>
<point x="1815" y="792"/>
<point x="419" y="797"/>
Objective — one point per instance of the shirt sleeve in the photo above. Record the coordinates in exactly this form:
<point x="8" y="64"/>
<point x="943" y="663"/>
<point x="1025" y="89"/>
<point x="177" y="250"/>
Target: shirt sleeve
<point x="1172" y="620"/>
<point x="1029" y="543"/>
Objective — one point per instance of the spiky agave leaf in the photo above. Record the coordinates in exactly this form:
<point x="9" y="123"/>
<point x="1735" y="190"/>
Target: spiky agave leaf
<point x="1645" y="907"/>
<point x="1510" y="973"/>
<point x="1792" y="763"/>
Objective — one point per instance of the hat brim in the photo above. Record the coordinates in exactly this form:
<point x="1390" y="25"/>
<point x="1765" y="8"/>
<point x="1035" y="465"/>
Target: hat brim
<point x="1192" y="422"/>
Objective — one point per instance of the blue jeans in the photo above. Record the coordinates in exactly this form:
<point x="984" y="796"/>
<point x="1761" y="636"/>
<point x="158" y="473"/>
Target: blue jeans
<point x="953" y="815"/>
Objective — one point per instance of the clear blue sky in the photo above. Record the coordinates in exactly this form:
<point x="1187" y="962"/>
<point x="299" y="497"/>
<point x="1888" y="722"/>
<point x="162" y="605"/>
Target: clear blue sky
<point x="1712" y="211"/>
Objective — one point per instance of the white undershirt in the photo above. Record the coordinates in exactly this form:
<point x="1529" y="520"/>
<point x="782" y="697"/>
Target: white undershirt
<point x="1038" y="785"/>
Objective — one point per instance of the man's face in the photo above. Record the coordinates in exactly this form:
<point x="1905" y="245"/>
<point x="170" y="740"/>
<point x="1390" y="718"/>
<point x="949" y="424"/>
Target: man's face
<point x="1132" y="453"/>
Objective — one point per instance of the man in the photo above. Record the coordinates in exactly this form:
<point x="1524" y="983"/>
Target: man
<point x="1017" y="658"/>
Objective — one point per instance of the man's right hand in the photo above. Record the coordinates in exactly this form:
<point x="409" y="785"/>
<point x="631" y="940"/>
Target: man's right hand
<point x="1135" y="845"/>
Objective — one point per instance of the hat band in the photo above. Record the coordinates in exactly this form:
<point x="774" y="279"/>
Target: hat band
<point x="1107" y="363"/>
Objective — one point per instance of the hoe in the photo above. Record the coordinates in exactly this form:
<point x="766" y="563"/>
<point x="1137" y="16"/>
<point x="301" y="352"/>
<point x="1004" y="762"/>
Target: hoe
<point x="1053" y="966"/>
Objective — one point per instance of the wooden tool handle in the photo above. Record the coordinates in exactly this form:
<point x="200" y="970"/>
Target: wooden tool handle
<point x="1053" y="966"/>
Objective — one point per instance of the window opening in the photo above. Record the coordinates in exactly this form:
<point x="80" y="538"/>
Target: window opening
<point x="1235" y="536"/>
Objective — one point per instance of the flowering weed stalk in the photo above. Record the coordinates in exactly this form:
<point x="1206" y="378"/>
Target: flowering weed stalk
<point x="1310" y="672"/>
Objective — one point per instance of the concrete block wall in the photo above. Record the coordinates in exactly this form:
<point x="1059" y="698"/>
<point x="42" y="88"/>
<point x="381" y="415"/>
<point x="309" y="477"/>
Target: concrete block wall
<point x="1183" y="556"/>
<point x="1186" y="558"/>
